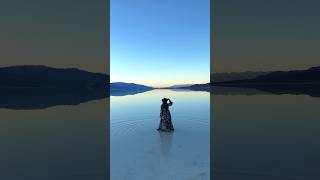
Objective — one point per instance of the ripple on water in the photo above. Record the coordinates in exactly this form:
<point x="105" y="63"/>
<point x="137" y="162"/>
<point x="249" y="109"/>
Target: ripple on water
<point x="134" y="125"/>
<point x="130" y="126"/>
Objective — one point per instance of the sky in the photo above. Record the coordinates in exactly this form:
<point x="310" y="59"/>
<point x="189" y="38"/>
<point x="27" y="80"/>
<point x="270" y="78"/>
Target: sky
<point x="56" y="33"/>
<point x="160" y="42"/>
<point x="265" y="35"/>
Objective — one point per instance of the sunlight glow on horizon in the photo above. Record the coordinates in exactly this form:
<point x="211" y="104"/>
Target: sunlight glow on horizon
<point x="162" y="84"/>
<point x="160" y="78"/>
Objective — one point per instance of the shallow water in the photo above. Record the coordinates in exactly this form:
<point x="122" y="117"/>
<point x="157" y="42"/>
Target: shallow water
<point x="61" y="142"/>
<point x="257" y="136"/>
<point x="139" y="151"/>
<point x="265" y="137"/>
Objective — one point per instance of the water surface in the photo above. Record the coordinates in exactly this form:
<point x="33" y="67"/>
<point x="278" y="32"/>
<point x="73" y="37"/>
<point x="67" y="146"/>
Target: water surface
<point x="140" y="152"/>
<point x="67" y="142"/>
<point x="255" y="135"/>
<point x="265" y="136"/>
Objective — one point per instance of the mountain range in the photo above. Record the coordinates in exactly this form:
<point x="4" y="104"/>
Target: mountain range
<point x="122" y="88"/>
<point x="38" y="82"/>
<point x="277" y="82"/>
<point x="36" y="76"/>
<point x="296" y="77"/>
<point x="221" y="77"/>
<point x="38" y="87"/>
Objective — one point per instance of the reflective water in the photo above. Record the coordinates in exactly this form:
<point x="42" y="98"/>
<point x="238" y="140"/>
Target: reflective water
<point x="263" y="136"/>
<point x="64" y="142"/>
<point x="256" y="136"/>
<point x="140" y="152"/>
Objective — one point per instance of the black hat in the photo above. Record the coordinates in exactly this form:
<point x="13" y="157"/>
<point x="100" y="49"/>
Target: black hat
<point x="165" y="100"/>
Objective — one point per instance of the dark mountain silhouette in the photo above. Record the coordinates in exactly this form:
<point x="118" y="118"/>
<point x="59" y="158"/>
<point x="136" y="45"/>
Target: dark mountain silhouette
<point x="200" y="87"/>
<point x="282" y="82"/>
<point x="305" y="82"/>
<point x="37" y="87"/>
<point x="41" y="98"/>
<point x="237" y="91"/>
<point x="42" y="76"/>
<point x="226" y="90"/>
<point x="221" y="77"/>
<point x="297" y="77"/>
<point x="122" y="89"/>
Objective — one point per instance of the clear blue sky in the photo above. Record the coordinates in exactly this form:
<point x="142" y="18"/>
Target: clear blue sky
<point x="160" y="42"/>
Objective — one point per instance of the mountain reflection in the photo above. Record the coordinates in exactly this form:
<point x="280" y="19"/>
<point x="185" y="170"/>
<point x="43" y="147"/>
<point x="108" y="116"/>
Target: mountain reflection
<point x="41" y="98"/>
<point x="281" y="89"/>
<point x="125" y="92"/>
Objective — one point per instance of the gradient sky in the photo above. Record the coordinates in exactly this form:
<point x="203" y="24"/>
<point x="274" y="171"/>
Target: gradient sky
<point x="160" y="42"/>
<point x="260" y="35"/>
<point x="57" y="33"/>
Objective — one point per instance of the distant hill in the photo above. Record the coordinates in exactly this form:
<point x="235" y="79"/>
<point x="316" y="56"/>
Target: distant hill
<point x="301" y="77"/>
<point x="200" y="87"/>
<point x="121" y="88"/>
<point x="37" y="87"/>
<point x="36" y="76"/>
<point x="305" y="82"/>
<point x="282" y="82"/>
<point x="221" y="77"/>
<point x="124" y="86"/>
<point x="311" y="75"/>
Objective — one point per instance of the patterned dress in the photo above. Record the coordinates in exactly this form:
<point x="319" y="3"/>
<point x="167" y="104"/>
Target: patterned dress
<point x="165" y="118"/>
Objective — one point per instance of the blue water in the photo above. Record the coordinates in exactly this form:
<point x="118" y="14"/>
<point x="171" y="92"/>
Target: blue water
<point x="256" y="136"/>
<point x="139" y="151"/>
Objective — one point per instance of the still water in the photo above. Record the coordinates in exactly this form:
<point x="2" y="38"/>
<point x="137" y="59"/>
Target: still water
<point x="264" y="136"/>
<point x="255" y="136"/>
<point x="139" y="152"/>
<point x="67" y="142"/>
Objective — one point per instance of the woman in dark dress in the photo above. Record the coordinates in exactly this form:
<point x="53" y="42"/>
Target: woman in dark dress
<point x="165" y="116"/>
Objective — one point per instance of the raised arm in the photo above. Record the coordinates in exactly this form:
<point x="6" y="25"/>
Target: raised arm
<point x="170" y="103"/>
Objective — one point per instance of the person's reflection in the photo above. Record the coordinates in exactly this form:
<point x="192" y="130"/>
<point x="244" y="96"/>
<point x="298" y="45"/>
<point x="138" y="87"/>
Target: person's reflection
<point x="165" y="143"/>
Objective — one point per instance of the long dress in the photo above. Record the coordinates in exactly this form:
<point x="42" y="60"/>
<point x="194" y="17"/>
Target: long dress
<point x="165" y="118"/>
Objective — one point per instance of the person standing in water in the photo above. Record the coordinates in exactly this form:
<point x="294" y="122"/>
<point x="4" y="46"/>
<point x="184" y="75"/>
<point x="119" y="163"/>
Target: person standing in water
<point x="165" y="116"/>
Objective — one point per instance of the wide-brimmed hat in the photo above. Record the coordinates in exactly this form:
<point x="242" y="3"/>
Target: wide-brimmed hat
<point x="165" y="100"/>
